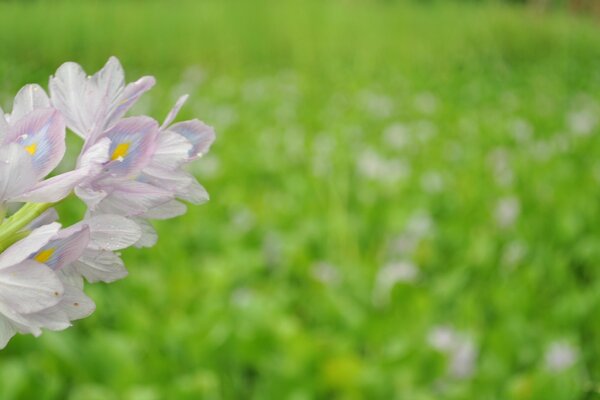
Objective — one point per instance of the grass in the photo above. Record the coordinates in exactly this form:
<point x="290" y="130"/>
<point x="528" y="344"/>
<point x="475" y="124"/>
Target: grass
<point x="451" y="149"/>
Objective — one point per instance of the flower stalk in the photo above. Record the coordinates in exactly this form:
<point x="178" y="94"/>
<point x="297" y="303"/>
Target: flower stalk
<point x="11" y="230"/>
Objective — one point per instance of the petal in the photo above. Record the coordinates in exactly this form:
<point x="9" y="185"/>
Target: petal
<point x="95" y="155"/>
<point x="65" y="248"/>
<point x="29" y="98"/>
<point x="3" y="125"/>
<point x="195" y="193"/>
<point x="68" y="94"/>
<point x="133" y="198"/>
<point x="47" y="217"/>
<point x="172" y="151"/>
<point x="28" y="245"/>
<point x="29" y="287"/>
<point x="170" y="209"/>
<point x="90" y="195"/>
<point x="198" y="133"/>
<point x="112" y="232"/>
<point x="54" y="189"/>
<point x="110" y="80"/>
<point x="133" y="141"/>
<point x="128" y="98"/>
<point x="74" y="304"/>
<point x="100" y="266"/>
<point x="17" y="174"/>
<point x="174" y="111"/>
<point x="7" y="331"/>
<point x="42" y="134"/>
<point x="149" y="236"/>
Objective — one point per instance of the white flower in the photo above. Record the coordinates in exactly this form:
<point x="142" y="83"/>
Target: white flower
<point x="458" y="346"/>
<point x="560" y="356"/>
<point x="506" y="212"/>
<point x="389" y="276"/>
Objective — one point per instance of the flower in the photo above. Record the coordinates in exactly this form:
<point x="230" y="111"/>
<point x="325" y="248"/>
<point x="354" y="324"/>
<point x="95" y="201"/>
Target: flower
<point x="129" y="170"/>
<point x="560" y="356"/>
<point x="143" y="174"/>
<point x="32" y="140"/>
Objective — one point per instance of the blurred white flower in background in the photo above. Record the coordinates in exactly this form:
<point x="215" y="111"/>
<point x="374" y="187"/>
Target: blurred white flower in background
<point x="325" y="273"/>
<point x="582" y="122"/>
<point x="521" y="130"/>
<point x="456" y="345"/>
<point x="560" y="356"/>
<point x="374" y="166"/>
<point x="396" y="135"/>
<point x="418" y="226"/>
<point x="389" y="276"/>
<point x="507" y="211"/>
<point x="377" y="105"/>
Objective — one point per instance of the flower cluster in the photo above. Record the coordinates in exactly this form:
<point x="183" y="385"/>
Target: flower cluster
<point x="130" y="170"/>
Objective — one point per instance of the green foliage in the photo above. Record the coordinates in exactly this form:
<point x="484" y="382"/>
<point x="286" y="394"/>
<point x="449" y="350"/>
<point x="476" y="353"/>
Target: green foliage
<point x="462" y="140"/>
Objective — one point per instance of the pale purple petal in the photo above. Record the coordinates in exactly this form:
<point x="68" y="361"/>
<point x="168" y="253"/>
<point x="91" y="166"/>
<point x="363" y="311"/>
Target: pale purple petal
<point x="128" y="98"/>
<point x="198" y="133"/>
<point x="42" y="134"/>
<point x="133" y="141"/>
<point x="47" y="217"/>
<point x="64" y="248"/>
<point x="170" y="209"/>
<point x="54" y="189"/>
<point x="17" y="174"/>
<point x="22" y="249"/>
<point x="133" y="198"/>
<point x="174" y="111"/>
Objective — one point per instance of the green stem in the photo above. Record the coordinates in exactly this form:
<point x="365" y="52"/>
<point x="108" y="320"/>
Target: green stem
<point x="10" y="228"/>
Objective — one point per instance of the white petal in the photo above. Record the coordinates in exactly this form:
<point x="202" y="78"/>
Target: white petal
<point x="100" y="265"/>
<point x="7" y="331"/>
<point x="68" y="94"/>
<point x="29" y="98"/>
<point x="149" y="235"/>
<point x="29" y="287"/>
<point x="112" y="232"/>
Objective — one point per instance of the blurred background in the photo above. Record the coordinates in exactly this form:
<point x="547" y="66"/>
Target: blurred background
<point x="405" y="202"/>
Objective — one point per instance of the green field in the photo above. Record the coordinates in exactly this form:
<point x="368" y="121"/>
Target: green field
<point x="405" y="203"/>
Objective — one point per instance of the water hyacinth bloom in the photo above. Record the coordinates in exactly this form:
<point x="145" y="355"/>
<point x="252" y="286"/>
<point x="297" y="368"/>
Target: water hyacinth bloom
<point x="130" y="169"/>
<point x="144" y="174"/>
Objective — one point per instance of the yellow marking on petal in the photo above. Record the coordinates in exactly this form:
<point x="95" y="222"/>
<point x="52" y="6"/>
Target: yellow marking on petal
<point x="31" y="149"/>
<point x="44" y="255"/>
<point x="120" y="151"/>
